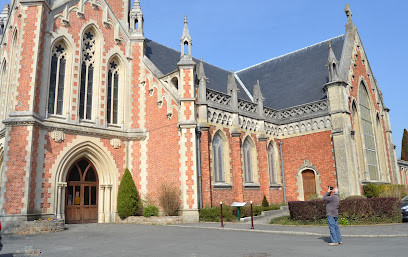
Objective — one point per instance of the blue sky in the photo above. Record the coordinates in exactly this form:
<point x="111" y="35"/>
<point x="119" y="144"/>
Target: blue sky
<point x="234" y="34"/>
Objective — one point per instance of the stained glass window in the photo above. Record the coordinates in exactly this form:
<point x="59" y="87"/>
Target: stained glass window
<point x="113" y="93"/>
<point x="272" y="174"/>
<point x="368" y="132"/>
<point x="57" y="80"/>
<point x="87" y="75"/>
<point x="218" y="151"/>
<point x="247" y="151"/>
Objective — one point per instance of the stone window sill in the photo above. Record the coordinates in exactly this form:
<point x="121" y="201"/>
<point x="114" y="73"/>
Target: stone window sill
<point x="251" y="186"/>
<point x="275" y="186"/>
<point x="222" y="186"/>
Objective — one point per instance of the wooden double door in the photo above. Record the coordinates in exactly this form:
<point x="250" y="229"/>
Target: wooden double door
<point x="81" y="205"/>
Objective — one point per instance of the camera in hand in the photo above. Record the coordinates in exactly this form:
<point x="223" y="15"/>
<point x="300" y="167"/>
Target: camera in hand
<point x="331" y="188"/>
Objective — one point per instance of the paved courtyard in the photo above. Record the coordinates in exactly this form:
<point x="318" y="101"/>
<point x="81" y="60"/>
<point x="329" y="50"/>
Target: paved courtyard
<point x="139" y="240"/>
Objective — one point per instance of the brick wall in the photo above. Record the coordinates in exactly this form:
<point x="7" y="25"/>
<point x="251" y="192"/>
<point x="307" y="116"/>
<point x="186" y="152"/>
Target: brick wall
<point x="318" y="150"/>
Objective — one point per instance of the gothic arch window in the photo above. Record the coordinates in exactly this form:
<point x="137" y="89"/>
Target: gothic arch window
<point x="3" y="89"/>
<point x="247" y="150"/>
<point x="367" y="130"/>
<point x="219" y="162"/>
<point x="87" y="74"/>
<point x="113" y="92"/>
<point x="272" y="175"/>
<point x="57" y="79"/>
<point x="12" y="72"/>
<point x="381" y="148"/>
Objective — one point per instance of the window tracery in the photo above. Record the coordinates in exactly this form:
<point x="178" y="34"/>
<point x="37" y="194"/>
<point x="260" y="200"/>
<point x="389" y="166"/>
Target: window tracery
<point x="87" y="74"/>
<point x="57" y="79"/>
<point x="218" y="150"/>
<point x="113" y="93"/>
<point x="368" y="133"/>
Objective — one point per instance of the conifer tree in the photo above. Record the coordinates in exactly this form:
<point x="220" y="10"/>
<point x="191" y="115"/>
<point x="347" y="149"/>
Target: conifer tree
<point x="128" y="197"/>
<point x="404" y="146"/>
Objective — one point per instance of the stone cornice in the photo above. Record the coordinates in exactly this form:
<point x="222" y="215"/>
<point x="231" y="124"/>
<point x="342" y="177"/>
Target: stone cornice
<point x="76" y="129"/>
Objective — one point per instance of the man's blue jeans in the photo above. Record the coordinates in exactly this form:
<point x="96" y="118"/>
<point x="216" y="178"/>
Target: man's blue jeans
<point x="334" y="229"/>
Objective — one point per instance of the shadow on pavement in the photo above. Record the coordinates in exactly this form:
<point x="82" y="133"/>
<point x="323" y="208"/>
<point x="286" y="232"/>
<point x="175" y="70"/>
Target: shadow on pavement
<point x="325" y="239"/>
<point x="6" y="255"/>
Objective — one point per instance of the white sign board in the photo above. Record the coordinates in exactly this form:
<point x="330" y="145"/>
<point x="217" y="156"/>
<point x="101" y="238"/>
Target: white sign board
<point x="238" y="204"/>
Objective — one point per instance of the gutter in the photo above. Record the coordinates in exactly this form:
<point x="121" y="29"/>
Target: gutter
<point x="199" y="184"/>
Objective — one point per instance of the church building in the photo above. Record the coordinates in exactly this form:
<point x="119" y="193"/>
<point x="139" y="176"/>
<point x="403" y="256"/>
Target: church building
<point x="84" y="96"/>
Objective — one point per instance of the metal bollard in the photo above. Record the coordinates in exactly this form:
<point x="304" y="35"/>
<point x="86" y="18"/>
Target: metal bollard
<point x="222" y="218"/>
<point x="252" y="217"/>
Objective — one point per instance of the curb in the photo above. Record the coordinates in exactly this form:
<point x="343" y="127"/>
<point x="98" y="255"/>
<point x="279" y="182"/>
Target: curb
<point x="297" y="233"/>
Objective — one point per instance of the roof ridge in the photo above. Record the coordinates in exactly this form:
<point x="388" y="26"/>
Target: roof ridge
<point x="193" y="56"/>
<point x="299" y="50"/>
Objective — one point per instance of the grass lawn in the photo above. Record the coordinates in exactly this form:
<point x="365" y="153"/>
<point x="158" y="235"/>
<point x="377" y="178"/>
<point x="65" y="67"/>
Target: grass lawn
<point x="286" y="220"/>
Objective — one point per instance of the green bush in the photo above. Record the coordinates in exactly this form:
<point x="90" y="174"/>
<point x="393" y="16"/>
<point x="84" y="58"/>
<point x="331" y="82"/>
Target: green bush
<point x="128" y="203"/>
<point x="170" y="199"/>
<point x="213" y="214"/>
<point x="150" y="210"/>
<point x="314" y="197"/>
<point x="354" y="197"/>
<point x="265" y="202"/>
<point x="392" y="190"/>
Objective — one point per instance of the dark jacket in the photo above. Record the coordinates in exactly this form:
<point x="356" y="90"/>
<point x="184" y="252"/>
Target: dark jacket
<point x="332" y="207"/>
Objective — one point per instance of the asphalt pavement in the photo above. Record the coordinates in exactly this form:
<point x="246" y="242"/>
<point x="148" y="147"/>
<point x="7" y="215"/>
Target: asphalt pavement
<point x="207" y="239"/>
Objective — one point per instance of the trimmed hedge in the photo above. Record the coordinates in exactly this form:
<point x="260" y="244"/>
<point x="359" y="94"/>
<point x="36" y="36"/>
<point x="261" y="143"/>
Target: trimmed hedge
<point x="150" y="210"/>
<point x="370" y="209"/>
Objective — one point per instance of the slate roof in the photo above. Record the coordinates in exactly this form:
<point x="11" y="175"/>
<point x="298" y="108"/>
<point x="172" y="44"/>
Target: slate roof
<point x="166" y="59"/>
<point x="295" y="78"/>
<point x="292" y="79"/>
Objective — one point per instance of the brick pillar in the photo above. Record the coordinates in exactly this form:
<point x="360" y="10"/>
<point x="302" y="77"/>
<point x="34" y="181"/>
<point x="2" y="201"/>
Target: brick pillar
<point x="205" y="167"/>
<point x="237" y="179"/>
<point x="263" y="166"/>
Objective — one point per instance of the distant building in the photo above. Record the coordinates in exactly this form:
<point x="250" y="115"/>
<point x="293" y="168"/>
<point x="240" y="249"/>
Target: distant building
<point x="84" y="95"/>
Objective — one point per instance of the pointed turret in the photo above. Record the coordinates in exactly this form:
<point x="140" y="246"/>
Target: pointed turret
<point x="186" y="41"/>
<point x="258" y="98"/>
<point x="136" y="19"/>
<point x="202" y="82"/>
<point x="332" y="65"/>
<point x="3" y="17"/>
<point x="232" y="90"/>
<point x="349" y="24"/>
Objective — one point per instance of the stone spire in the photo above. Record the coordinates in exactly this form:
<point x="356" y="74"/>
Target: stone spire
<point x="202" y="82"/>
<point x="3" y="17"/>
<point x="332" y="65"/>
<point x="258" y="98"/>
<point x="232" y="89"/>
<point x="348" y="12"/>
<point x="136" y="19"/>
<point x="186" y="40"/>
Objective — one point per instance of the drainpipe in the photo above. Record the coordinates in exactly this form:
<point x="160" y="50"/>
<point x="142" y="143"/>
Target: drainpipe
<point x="283" y="173"/>
<point x="199" y="186"/>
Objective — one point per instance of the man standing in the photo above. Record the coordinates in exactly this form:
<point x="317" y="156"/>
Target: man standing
<point x="332" y="210"/>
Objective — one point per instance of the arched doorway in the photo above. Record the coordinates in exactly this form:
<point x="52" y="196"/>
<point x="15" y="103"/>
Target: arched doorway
<point x="81" y="201"/>
<point x="309" y="183"/>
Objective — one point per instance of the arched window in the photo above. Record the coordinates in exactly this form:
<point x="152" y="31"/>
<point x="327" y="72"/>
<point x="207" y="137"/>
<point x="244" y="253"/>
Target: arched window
<point x="248" y="161"/>
<point x="3" y="89"/>
<point x="368" y="132"/>
<point x="57" y="79"/>
<point x="113" y="93"/>
<point x="218" y="150"/>
<point x="272" y="175"/>
<point x="87" y="75"/>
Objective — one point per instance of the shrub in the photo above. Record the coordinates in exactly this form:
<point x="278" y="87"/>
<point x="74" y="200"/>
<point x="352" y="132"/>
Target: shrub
<point x="265" y="202"/>
<point x="314" y="197"/>
<point x="353" y="210"/>
<point x="128" y="197"/>
<point x="150" y="210"/>
<point x="213" y="214"/>
<point x="393" y="190"/>
<point x="371" y="190"/>
<point x="355" y="197"/>
<point x="170" y="199"/>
